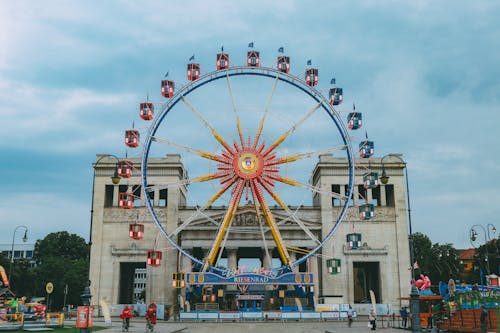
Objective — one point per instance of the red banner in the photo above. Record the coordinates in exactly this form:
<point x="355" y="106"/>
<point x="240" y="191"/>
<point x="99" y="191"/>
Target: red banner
<point x="5" y="279"/>
<point x="83" y="320"/>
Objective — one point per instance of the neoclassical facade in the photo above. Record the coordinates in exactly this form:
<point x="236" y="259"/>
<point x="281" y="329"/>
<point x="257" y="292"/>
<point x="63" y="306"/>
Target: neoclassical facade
<point x="380" y="263"/>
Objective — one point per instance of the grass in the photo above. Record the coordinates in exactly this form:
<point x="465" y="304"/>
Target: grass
<point x="74" y="329"/>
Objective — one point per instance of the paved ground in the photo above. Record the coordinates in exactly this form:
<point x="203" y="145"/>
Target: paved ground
<point x="138" y="326"/>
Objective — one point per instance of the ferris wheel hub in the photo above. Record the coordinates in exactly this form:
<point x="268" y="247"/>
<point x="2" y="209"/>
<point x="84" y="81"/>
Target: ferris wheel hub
<point x="248" y="164"/>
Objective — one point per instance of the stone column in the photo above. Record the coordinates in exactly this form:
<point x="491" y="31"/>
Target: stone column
<point x="185" y="268"/>
<point x="383" y="201"/>
<point x="232" y="263"/>
<point x="267" y="262"/>
<point x="313" y="268"/>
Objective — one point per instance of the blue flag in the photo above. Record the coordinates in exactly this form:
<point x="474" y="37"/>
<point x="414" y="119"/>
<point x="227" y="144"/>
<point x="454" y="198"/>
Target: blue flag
<point x="281" y="50"/>
<point x="250" y="44"/>
<point x="192" y="58"/>
<point x="332" y="81"/>
<point x="309" y="62"/>
<point x="166" y="74"/>
<point x="222" y="48"/>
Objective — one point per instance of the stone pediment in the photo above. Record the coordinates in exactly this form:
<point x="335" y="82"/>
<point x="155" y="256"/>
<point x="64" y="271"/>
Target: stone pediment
<point x="246" y="217"/>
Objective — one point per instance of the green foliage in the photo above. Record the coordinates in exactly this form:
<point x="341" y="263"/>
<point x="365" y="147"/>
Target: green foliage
<point x="62" y="259"/>
<point x="438" y="262"/>
<point x="486" y="260"/>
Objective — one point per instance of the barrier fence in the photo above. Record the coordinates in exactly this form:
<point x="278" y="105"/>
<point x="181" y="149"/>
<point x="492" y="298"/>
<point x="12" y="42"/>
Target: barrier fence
<point x="16" y="321"/>
<point x="262" y="315"/>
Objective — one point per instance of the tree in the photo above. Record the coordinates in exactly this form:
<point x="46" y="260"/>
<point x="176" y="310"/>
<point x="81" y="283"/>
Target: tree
<point x="486" y="260"/>
<point x="62" y="259"/>
<point x="422" y="246"/>
<point x="438" y="262"/>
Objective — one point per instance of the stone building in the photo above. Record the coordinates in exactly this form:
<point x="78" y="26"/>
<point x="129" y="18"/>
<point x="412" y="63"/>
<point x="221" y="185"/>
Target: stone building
<point x="380" y="263"/>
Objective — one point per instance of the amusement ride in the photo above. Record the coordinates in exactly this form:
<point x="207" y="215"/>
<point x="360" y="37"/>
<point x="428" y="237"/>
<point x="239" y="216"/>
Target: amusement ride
<point x="246" y="133"/>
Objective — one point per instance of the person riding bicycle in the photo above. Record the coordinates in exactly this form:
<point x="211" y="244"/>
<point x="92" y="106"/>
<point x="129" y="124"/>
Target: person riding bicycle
<point x="126" y="314"/>
<point x="151" y="316"/>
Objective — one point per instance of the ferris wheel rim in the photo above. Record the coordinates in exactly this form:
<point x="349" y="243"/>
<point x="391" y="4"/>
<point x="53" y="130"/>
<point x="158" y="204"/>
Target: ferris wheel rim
<point x="262" y="72"/>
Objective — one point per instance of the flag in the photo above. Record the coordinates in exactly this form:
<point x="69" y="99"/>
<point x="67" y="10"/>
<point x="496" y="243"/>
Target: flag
<point x="332" y="81"/>
<point x="366" y="135"/>
<point x="250" y="44"/>
<point x="309" y="62"/>
<point x="353" y="107"/>
<point x="192" y="58"/>
<point x="166" y="74"/>
<point x="222" y="48"/>
<point x="281" y="50"/>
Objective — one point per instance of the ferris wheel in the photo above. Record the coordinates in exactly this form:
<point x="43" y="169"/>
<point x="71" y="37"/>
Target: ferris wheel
<point x="248" y="136"/>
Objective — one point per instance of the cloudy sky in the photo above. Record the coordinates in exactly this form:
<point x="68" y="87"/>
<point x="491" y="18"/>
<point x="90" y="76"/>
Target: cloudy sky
<point x="425" y="73"/>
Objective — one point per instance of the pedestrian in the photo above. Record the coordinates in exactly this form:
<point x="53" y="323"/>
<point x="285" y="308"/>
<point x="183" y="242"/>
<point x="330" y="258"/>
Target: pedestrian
<point x="372" y="317"/>
<point x="403" y="313"/>
<point x="483" y="319"/>
<point x="126" y="314"/>
<point x="350" y="314"/>
<point x="151" y="317"/>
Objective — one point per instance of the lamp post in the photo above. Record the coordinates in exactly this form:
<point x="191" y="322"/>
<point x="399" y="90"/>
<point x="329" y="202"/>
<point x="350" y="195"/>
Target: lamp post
<point x="86" y="296"/>
<point x="25" y="238"/>
<point x="384" y="179"/>
<point x="487" y="237"/>
<point x="414" y="296"/>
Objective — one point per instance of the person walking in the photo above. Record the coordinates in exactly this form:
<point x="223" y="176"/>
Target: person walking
<point x="484" y="319"/>
<point x="350" y="314"/>
<point x="372" y="317"/>
<point x="403" y="313"/>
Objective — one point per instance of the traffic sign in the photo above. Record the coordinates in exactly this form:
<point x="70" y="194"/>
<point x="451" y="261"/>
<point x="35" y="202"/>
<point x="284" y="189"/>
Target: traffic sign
<point x="49" y="287"/>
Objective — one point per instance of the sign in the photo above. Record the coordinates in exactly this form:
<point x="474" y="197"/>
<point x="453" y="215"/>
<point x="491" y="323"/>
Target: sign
<point x="292" y="278"/>
<point x="49" y="287"/>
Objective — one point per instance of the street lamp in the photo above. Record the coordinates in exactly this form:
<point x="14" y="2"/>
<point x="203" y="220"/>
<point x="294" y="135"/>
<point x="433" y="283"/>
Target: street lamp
<point x="384" y="179"/>
<point x="414" y="296"/>
<point x="25" y="238"/>
<point x="487" y="237"/>
<point x="115" y="179"/>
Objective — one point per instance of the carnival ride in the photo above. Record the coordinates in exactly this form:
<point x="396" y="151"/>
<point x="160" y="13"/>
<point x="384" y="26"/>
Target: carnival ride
<point x="253" y="128"/>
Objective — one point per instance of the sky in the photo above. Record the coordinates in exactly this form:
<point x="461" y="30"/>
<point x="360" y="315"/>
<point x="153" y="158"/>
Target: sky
<point x="424" y="73"/>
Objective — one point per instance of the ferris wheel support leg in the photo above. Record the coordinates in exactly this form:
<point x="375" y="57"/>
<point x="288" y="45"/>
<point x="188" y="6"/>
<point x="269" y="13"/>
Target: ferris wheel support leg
<point x="280" y="202"/>
<point x="225" y="224"/>
<point x="268" y="216"/>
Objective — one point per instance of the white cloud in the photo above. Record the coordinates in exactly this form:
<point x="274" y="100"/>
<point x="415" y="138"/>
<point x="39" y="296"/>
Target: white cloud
<point x="39" y="116"/>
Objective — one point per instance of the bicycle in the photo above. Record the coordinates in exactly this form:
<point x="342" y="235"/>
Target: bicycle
<point x="149" y="326"/>
<point x="125" y="324"/>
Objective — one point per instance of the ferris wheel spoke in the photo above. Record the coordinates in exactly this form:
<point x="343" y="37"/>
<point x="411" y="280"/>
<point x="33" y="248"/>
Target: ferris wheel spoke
<point x="266" y="110"/>
<point x="259" y="221"/>
<point x="231" y="211"/>
<point x="296" y="183"/>
<point x="233" y="101"/>
<point x="202" y="153"/>
<point x="200" y="211"/>
<point x="293" y="158"/>
<point x="214" y="133"/>
<point x="221" y="191"/>
<point x="187" y="181"/>
<point x="294" y="217"/>
<point x="268" y="216"/>
<point x="291" y="130"/>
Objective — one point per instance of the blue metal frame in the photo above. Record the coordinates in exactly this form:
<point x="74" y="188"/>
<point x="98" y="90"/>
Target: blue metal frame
<point x="258" y="71"/>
